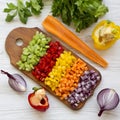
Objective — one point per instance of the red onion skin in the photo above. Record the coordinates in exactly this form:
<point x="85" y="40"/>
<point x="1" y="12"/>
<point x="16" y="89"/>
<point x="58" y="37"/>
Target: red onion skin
<point x="19" y="80"/>
<point x="9" y="75"/>
<point x="100" y="112"/>
<point x="113" y="103"/>
<point x="15" y="80"/>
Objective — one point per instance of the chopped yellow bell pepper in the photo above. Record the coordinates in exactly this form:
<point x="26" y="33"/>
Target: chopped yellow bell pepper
<point x="105" y="34"/>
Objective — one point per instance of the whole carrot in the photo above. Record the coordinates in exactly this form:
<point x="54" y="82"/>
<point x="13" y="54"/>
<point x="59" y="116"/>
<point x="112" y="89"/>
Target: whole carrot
<point x="55" y="27"/>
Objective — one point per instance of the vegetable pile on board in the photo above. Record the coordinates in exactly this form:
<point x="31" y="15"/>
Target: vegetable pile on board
<point x="61" y="71"/>
<point x="34" y="51"/>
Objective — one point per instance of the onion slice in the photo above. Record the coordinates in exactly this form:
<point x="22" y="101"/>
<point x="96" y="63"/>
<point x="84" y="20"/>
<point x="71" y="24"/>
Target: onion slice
<point x="107" y="99"/>
<point x="16" y="81"/>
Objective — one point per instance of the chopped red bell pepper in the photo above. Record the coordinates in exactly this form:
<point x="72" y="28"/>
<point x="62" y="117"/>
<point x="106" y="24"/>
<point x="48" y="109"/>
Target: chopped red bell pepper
<point x="46" y="63"/>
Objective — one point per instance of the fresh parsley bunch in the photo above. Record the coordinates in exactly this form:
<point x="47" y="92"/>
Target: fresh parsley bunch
<point x="23" y="10"/>
<point x="81" y="13"/>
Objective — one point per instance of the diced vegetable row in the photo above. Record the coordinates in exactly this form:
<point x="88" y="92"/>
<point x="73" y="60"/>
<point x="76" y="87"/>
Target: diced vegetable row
<point x="64" y="62"/>
<point x="46" y="63"/>
<point x="32" y="53"/>
<point x="66" y="75"/>
<point x="86" y="85"/>
<point x="70" y="81"/>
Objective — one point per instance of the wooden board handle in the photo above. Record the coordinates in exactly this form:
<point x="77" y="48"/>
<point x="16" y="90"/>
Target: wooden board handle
<point x="13" y="49"/>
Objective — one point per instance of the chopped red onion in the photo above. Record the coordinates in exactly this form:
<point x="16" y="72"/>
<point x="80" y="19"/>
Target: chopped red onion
<point x="88" y="82"/>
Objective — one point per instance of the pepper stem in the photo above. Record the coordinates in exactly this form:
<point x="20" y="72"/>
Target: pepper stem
<point x="35" y="89"/>
<point x="100" y="112"/>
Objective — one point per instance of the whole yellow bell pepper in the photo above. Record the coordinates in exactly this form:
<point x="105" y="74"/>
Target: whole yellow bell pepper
<point x="105" y="34"/>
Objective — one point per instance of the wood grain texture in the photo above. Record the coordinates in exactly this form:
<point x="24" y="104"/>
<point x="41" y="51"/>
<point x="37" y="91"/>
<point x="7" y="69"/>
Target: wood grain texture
<point x="14" y="51"/>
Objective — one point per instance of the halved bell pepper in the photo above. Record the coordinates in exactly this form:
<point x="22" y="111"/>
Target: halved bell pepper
<point x="38" y="99"/>
<point x="105" y="34"/>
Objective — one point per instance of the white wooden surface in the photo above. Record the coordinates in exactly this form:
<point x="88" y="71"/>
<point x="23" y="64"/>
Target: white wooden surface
<point x="14" y="106"/>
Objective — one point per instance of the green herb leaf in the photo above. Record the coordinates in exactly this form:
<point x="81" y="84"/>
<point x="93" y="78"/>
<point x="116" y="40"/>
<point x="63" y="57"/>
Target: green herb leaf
<point x="10" y="17"/>
<point x="36" y="6"/>
<point x="28" y="4"/>
<point x="11" y="6"/>
<point x="81" y="13"/>
<point x="28" y="12"/>
<point x="7" y="10"/>
<point x="21" y="11"/>
<point x="100" y="10"/>
<point x="24" y="9"/>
